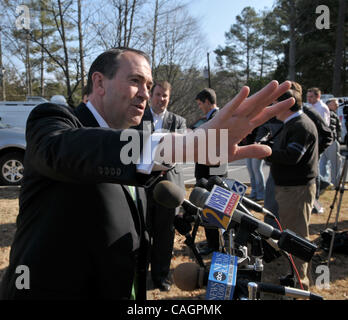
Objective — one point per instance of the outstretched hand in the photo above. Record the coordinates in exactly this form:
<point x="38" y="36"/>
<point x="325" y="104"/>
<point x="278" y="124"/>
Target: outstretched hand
<point x="242" y="115"/>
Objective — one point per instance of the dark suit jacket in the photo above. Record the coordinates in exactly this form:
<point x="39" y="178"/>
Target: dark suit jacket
<point x="203" y="171"/>
<point x="78" y="229"/>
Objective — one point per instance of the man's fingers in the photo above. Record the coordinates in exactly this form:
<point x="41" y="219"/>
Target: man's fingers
<point x="232" y="105"/>
<point x="258" y="151"/>
<point x="265" y="98"/>
<point x="272" y="111"/>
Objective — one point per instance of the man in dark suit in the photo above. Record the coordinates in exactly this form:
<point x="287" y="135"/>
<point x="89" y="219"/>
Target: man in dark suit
<point x="206" y="101"/>
<point x="160" y="219"/>
<point x="80" y="228"/>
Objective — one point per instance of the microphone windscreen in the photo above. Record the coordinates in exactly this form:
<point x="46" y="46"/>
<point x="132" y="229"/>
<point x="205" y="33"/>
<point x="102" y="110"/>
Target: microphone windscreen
<point x="202" y="183"/>
<point x="198" y="196"/>
<point x="168" y="194"/>
<point x="188" y="276"/>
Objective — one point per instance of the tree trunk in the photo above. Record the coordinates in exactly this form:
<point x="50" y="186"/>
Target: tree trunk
<point x="42" y="59"/>
<point x="81" y="48"/>
<point x="66" y="55"/>
<point x="154" y="40"/>
<point x="28" y="67"/>
<point x="336" y="82"/>
<point x="131" y="23"/>
<point x="292" y="46"/>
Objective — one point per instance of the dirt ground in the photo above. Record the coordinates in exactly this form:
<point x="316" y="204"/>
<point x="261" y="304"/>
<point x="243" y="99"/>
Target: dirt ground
<point x="338" y="286"/>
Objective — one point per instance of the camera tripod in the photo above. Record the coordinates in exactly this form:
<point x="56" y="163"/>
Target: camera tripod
<point x="339" y="188"/>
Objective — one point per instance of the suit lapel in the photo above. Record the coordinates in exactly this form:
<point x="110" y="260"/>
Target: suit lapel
<point x="85" y="116"/>
<point x="167" y="121"/>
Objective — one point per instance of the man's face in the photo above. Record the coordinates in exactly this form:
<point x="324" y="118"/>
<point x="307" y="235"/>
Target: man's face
<point x="333" y="105"/>
<point x="126" y="94"/>
<point x="160" y="99"/>
<point x="204" y="106"/>
<point x="312" y="98"/>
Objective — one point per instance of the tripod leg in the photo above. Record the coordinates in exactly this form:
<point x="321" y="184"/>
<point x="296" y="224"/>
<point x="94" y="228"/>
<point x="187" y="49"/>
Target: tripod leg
<point x="336" y="193"/>
<point x="344" y="174"/>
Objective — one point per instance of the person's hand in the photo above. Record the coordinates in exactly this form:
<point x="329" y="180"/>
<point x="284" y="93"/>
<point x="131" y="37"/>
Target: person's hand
<point x="241" y="115"/>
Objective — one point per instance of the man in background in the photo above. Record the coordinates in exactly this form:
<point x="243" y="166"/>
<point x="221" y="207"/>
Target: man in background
<point x="332" y="154"/>
<point x="313" y="98"/>
<point x="294" y="165"/>
<point x="207" y="102"/>
<point x="160" y="219"/>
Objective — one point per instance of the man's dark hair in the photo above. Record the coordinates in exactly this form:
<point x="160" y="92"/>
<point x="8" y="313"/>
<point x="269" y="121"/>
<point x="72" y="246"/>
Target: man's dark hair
<point x="163" y="84"/>
<point x="295" y="92"/>
<point x="107" y="64"/>
<point x="207" y="93"/>
<point x="315" y="90"/>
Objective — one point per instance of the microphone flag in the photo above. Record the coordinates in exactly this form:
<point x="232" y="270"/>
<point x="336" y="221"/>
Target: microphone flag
<point x="220" y="206"/>
<point x="222" y="277"/>
<point x="236" y="186"/>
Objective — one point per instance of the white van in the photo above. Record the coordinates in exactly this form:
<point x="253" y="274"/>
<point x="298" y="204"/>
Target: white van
<point x="15" y="113"/>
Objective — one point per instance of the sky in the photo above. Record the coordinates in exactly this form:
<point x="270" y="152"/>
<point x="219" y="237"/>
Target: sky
<point x="215" y="17"/>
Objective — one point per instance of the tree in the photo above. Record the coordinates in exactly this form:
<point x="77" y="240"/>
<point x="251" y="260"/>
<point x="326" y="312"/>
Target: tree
<point x="241" y="42"/>
<point x="339" y="50"/>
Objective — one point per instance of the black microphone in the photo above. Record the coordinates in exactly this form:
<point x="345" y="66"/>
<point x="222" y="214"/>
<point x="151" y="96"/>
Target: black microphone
<point x="203" y="183"/>
<point x="169" y="195"/>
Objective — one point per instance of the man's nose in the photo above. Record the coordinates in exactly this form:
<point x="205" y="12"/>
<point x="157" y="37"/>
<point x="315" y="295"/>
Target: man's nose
<point x="144" y="92"/>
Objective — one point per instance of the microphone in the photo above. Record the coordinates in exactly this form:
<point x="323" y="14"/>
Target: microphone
<point x="169" y="195"/>
<point x="215" y="204"/>
<point x="190" y="276"/>
<point x="220" y="280"/>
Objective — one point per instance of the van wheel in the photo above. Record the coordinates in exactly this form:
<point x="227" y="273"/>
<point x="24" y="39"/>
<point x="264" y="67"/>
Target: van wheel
<point x="11" y="169"/>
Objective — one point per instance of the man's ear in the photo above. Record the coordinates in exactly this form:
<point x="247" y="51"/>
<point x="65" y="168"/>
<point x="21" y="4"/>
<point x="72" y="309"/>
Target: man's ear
<point x="98" y="83"/>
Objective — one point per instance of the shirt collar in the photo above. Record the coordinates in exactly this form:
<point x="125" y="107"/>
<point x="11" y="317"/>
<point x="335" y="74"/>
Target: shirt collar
<point x="294" y="115"/>
<point x="158" y="116"/>
<point x="210" y="112"/>
<point x="102" y="123"/>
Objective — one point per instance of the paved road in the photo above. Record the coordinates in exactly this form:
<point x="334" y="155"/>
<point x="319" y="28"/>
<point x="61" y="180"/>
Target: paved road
<point x="236" y="170"/>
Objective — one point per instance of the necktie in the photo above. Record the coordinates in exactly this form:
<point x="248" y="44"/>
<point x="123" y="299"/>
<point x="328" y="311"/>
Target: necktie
<point x="133" y="192"/>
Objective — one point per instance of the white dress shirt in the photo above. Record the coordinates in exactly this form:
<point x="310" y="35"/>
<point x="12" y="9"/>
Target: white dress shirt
<point x="323" y="110"/>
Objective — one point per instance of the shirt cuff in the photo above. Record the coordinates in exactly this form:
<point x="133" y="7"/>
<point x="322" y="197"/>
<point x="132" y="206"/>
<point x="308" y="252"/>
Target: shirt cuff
<point x="148" y="162"/>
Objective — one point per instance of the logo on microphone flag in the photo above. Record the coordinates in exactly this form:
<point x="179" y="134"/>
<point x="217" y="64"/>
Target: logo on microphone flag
<point x="237" y="186"/>
<point x="222" y="277"/>
<point x="220" y="206"/>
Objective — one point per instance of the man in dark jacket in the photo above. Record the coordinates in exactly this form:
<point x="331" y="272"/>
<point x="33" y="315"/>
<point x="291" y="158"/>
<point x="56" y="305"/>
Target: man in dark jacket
<point x="206" y="101"/>
<point x="294" y="165"/>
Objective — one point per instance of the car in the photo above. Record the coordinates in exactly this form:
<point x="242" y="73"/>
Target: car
<point x="12" y="150"/>
<point x="15" y="113"/>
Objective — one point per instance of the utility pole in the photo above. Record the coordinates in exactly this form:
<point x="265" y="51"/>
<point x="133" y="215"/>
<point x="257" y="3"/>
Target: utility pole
<point x="209" y="82"/>
<point x="206" y="72"/>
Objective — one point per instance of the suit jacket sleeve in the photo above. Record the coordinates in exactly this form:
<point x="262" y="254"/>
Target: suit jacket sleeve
<point x="60" y="148"/>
